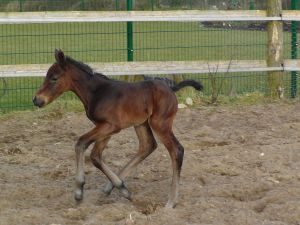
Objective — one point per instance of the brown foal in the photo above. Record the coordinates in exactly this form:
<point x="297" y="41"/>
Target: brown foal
<point x="112" y="106"/>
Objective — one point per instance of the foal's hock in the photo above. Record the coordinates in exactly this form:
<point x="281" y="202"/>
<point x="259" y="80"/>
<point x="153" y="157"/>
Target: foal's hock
<point x="113" y="105"/>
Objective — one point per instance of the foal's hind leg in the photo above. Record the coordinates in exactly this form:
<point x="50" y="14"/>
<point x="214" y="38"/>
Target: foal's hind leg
<point x="163" y="128"/>
<point x="147" y="145"/>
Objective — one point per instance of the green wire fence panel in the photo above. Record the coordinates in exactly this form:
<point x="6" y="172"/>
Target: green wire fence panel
<point x="89" y="42"/>
<point x="152" y="41"/>
<point x="57" y="5"/>
<point x="148" y="41"/>
<point x="159" y="41"/>
<point x="233" y="84"/>
<point x="96" y="42"/>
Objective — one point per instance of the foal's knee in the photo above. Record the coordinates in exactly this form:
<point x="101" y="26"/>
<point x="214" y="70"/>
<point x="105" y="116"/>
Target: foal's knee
<point x="95" y="158"/>
<point x="81" y="145"/>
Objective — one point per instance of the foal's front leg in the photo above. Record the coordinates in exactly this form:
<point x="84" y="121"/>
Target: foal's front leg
<point x="96" y="157"/>
<point x="101" y="131"/>
<point x="147" y="145"/>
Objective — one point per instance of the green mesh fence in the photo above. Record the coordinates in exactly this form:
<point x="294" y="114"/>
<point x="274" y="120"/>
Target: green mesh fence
<point x="35" y="43"/>
<point x="152" y="41"/>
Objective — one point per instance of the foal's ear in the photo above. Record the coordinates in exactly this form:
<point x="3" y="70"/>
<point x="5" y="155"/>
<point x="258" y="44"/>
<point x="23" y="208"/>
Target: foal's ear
<point x="60" y="57"/>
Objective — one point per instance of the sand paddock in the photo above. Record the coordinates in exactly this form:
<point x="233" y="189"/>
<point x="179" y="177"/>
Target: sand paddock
<point x="241" y="166"/>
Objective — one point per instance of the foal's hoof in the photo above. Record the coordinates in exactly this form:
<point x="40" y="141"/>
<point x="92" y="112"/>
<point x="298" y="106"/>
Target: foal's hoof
<point x="124" y="191"/>
<point x="78" y="195"/>
<point x="108" y="188"/>
<point x="170" y="205"/>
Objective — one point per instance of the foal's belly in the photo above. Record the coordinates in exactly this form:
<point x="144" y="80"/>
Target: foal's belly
<point x="128" y="120"/>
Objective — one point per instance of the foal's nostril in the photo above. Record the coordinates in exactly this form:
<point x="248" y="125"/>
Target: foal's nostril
<point x="38" y="102"/>
<point x="34" y="100"/>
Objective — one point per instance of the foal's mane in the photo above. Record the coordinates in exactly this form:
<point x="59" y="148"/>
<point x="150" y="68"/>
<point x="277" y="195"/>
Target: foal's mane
<point x="84" y="67"/>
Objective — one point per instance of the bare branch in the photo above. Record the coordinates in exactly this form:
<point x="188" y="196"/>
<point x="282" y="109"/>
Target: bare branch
<point x="216" y="89"/>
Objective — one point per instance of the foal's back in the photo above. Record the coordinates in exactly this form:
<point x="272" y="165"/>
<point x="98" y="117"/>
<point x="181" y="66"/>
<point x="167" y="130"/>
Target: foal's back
<point x="130" y="104"/>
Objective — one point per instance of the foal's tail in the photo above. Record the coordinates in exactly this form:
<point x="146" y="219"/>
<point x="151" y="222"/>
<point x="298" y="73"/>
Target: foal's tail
<point x="197" y="85"/>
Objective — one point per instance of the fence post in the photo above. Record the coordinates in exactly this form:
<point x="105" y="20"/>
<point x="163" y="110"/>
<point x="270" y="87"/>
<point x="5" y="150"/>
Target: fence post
<point x="129" y="41"/>
<point x="233" y="4"/>
<point x="21" y="5"/>
<point x="82" y="5"/>
<point x="191" y="4"/>
<point x="152" y="5"/>
<point x="275" y="49"/>
<point x="117" y="3"/>
<point x="294" y="74"/>
<point x="129" y="34"/>
<point x="252" y="5"/>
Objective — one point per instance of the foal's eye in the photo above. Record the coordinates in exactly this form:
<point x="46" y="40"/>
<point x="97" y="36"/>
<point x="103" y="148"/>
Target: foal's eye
<point x="54" y="79"/>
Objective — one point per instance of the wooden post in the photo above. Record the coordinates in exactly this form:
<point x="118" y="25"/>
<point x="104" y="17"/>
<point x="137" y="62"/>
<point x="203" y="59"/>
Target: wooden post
<point x="275" y="49"/>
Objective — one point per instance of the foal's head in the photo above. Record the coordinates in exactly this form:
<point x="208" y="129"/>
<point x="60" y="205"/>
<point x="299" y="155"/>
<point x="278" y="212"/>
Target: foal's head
<point x="56" y="82"/>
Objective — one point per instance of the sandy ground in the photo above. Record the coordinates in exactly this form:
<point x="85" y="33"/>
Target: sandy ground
<point x="241" y="166"/>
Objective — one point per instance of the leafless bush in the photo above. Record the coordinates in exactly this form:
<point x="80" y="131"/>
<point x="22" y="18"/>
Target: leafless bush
<point x="215" y="88"/>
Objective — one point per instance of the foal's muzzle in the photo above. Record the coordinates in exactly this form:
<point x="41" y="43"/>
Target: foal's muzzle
<point x="38" y="102"/>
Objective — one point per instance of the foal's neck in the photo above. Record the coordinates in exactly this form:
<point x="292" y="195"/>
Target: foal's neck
<point x="82" y="86"/>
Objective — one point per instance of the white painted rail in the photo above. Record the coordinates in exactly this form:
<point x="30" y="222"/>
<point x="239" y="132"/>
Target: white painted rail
<point x="123" y="16"/>
<point x="156" y="68"/>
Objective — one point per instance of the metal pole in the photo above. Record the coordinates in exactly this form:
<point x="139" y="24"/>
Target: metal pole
<point x="82" y="4"/>
<point x="233" y="4"/>
<point x="117" y="2"/>
<point x="252" y="5"/>
<point x="294" y="74"/>
<point x="191" y="4"/>
<point x="21" y="5"/>
<point x="129" y="34"/>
